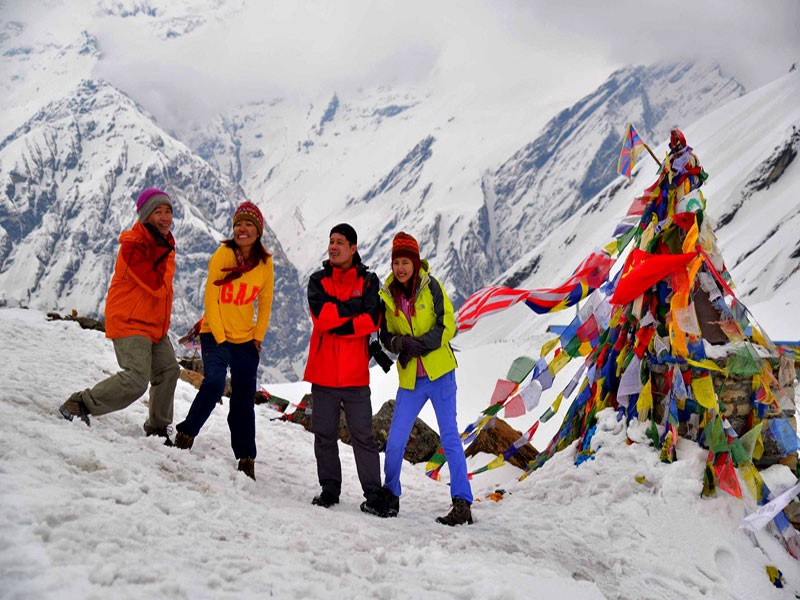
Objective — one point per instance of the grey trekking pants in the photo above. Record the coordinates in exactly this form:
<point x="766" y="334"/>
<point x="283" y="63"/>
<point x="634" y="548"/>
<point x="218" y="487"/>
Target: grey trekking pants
<point x="325" y="425"/>
<point x="142" y="362"/>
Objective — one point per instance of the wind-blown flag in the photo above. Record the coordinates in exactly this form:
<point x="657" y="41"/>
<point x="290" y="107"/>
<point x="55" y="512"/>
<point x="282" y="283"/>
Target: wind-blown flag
<point x="632" y="144"/>
<point x="589" y="275"/>
<point x="642" y="270"/>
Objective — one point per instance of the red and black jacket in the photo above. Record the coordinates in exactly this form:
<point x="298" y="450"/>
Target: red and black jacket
<point x="345" y="311"/>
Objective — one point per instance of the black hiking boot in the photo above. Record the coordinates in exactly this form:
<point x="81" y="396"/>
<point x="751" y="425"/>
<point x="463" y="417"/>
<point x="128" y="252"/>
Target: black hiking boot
<point x="163" y="432"/>
<point x="460" y="513"/>
<point x="392" y="502"/>
<point x="326" y="499"/>
<point x="247" y="466"/>
<point x="377" y="506"/>
<point x="183" y="441"/>
<point x="74" y="407"/>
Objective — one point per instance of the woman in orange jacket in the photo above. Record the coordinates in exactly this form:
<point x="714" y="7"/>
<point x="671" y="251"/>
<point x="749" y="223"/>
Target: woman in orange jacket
<point x="240" y="275"/>
<point x="138" y="310"/>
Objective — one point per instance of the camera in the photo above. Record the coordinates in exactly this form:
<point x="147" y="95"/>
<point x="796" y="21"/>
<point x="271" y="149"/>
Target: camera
<point x="376" y="352"/>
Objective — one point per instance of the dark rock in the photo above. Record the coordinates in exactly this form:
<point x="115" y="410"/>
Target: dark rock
<point x="422" y="442"/>
<point x="496" y="438"/>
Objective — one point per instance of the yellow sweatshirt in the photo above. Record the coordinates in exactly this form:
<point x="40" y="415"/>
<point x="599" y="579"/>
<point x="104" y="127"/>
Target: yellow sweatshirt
<point x="229" y="308"/>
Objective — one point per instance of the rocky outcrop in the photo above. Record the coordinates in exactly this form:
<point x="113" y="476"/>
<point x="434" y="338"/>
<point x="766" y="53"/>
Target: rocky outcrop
<point x="496" y="438"/>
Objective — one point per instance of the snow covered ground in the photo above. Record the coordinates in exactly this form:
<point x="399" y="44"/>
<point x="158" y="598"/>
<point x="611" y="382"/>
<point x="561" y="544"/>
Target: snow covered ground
<point x="105" y="512"/>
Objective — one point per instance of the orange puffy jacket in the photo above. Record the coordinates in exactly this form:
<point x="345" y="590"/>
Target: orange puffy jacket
<point x="139" y="299"/>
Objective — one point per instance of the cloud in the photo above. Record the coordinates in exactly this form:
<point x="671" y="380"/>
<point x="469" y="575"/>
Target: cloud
<point x="238" y="51"/>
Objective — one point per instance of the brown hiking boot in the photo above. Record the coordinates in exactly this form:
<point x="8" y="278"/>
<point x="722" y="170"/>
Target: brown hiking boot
<point x="247" y="466"/>
<point x="459" y="514"/>
<point x="183" y="441"/>
<point x="163" y="432"/>
<point x="74" y="407"/>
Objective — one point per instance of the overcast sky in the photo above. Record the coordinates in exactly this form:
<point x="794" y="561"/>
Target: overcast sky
<point x="252" y="50"/>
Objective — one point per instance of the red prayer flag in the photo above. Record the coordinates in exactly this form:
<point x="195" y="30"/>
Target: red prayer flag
<point x="515" y="407"/>
<point x="642" y="270"/>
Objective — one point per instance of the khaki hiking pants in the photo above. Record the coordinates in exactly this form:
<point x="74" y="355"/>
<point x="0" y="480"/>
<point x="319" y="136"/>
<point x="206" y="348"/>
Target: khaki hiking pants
<point x="142" y="362"/>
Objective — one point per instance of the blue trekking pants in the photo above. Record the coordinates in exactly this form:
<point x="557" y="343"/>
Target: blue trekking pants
<point x="442" y="394"/>
<point x="243" y="362"/>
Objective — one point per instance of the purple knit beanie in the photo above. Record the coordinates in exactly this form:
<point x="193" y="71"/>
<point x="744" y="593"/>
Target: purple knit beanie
<point x="149" y="200"/>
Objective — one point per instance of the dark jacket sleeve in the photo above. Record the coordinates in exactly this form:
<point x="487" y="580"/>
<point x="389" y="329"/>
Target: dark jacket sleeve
<point x="367" y="321"/>
<point x="324" y="309"/>
<point x="444" y="328"/>
<point x="384" y="335"/>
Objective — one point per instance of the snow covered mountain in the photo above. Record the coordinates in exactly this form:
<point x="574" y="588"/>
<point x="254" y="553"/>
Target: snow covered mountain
<point x="72" y="173"/>
<point x="479" y="177"/>
<point x="575" y="157"/>
<point x="748" y="146"/>
<point x="475" y="197"/>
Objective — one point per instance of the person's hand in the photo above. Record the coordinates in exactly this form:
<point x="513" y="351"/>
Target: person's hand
<point x="413" y="346"/>
<point x="257" y="344"/>
<point x="403" y="359"/>
<point x="396" y="344"/>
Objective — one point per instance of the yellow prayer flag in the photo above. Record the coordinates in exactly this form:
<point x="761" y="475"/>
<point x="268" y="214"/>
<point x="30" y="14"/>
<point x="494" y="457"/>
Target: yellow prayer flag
<point x="496" y="463"/>
<point x="703" y="388"/>
<point x="691" y="238"/>
<point x="707" y="364"/>
<point x="645" y="403"/>
<point x="548" y="346"/>
<point x="758" y="337"/>
<point x="752" y="479"/>
<point x="557" y="403"/>
<point x="559" y="362"/>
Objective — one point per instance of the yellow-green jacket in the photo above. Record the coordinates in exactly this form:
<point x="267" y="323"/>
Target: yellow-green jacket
<point x="434" y="323"/>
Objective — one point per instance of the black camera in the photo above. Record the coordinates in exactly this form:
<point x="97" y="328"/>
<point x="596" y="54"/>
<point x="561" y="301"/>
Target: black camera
<point x="376" y="352"/>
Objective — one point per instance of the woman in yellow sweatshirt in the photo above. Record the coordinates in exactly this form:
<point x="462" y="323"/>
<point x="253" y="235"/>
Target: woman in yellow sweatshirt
<point x="240" y="276"/>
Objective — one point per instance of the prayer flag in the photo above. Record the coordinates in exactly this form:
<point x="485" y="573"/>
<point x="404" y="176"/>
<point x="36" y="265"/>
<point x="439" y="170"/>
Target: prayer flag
<point x="632" y="144"/>
<point x="642" y="270"/>
<point x="762" y="517"/>
<point x="589" y="275"/>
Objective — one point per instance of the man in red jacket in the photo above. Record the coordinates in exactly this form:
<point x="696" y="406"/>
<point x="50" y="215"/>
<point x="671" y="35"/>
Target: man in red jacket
<point x="345" y="310"/>
<point x="138" y="311"/>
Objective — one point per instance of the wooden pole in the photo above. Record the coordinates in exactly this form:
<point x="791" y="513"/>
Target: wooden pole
<point x="658" y="162"/>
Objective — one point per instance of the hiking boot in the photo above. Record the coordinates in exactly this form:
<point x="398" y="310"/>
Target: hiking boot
<point x="163" y="432"/>
<point x="378" y="507"/>
<point x="74" y="407"/>
<point x="392" y="502"/>
<point x="247" y="466"/>
<point x="326" y="499"/>
<point x="459" y="514"/>
<point x="183" y="441"/>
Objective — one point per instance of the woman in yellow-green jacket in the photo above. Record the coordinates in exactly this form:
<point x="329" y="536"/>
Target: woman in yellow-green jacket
<point x="418" y="326"/>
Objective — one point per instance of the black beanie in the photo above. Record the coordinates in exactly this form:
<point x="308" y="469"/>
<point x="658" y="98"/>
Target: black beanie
<point x="347" y="231"/>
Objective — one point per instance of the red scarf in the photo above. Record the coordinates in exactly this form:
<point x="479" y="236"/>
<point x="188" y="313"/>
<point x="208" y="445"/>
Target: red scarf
<point x="242" y="266"/>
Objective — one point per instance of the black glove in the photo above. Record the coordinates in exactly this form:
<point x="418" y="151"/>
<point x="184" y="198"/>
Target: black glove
<point x="403" y="359"/>
<point x="396" y="344"/>
<point x="383" y="360"/>
<point x="413" y="346"/>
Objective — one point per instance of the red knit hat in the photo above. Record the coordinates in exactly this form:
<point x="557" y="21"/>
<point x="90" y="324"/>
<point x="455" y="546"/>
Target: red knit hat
<point x="406" y="246"/>
<point x="248" y="211"/>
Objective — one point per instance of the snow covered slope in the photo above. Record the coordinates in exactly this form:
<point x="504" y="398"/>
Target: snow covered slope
<point x="102" y="511"/>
